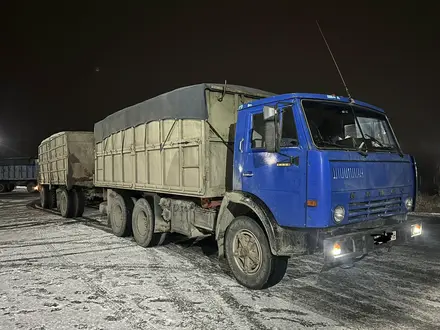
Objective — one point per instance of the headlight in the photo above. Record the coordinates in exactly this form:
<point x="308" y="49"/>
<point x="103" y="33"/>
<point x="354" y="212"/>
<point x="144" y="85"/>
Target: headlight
<point x="339" y="213"/>
<point x="409" y="203"/>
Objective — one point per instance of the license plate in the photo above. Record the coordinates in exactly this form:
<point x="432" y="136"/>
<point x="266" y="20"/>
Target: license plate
<point x="394" y="236"/>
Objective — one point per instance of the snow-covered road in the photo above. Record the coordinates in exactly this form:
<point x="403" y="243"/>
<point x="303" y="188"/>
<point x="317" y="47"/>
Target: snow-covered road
<point x="62" y="274"/>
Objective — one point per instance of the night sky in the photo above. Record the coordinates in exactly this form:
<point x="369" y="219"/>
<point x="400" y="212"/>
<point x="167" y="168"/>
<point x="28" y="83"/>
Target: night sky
<point x="50" y="55"/>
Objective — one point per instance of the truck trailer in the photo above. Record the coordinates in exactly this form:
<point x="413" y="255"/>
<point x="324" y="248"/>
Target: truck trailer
<point x="18" y="171"/>
<point x="270" y="176"/>
<point x="66" y="165"/>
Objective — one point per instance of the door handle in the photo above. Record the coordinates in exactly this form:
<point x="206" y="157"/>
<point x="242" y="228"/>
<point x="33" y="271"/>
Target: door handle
<point x="240" y="147"/>
<point x="248" y="174"/>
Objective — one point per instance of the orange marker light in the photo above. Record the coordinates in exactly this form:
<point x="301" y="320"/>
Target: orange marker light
<point x="312" y="203"/>
<point x="336" y="249"/>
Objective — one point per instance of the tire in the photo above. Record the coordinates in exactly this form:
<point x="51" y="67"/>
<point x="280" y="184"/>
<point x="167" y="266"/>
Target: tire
<point x="3" y="188"/>
<point x="52" y="199"/>
<point x="45" y="197"/>
<point x="11" y="187"/>
<point x="67" y="204"/>
<point x="30" y="187"/>
<point x="266" y="269"/>
<point x="143" y="225"/>
<point x="120" y="215"/>
<point x="79" y="202"/>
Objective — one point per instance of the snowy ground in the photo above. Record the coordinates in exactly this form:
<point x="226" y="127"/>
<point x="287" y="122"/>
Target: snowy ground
<point x="64" y="274"/>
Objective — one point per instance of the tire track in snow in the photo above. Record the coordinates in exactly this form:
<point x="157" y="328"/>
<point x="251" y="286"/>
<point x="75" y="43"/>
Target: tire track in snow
<point x="109" y="300"/>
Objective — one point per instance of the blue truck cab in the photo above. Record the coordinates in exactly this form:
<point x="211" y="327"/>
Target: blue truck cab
<point x="323" y="174"/>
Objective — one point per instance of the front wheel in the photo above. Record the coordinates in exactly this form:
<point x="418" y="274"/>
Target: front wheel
<point x="249" y="255"/>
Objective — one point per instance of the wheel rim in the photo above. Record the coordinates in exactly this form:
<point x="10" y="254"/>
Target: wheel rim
<point x="63" y="204"/>
<point x="142" y="224"/>
<point x="117" y="217"/>
<point x="247" y="252"/>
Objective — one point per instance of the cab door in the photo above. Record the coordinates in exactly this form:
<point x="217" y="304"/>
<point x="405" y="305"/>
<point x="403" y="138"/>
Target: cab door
<point x="278" y="179"/>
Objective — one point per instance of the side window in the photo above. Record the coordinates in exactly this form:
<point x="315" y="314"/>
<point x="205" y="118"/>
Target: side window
<point x="257" y="141"/>
<point x="289" y="135"/>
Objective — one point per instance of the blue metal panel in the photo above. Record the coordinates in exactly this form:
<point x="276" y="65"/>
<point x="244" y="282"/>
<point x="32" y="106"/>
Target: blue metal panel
<point x="368" y="187"/>
<point x="324" y="97"/>
<point x="17" y="172"/>
<point x="282" y="188"/>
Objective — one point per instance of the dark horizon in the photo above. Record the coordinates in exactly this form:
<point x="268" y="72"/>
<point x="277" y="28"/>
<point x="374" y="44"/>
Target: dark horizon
<point x="67" y="68"/>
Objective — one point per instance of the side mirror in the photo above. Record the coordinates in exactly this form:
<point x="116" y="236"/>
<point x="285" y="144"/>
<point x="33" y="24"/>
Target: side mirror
<point x="269" y="113"/>
<point x="271" y="129"/>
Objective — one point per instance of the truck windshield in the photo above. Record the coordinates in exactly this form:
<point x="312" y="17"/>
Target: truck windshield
<point x="333" y="126"/>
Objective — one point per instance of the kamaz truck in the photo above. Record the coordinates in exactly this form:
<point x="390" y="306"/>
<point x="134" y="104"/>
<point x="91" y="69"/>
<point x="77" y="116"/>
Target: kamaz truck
<point x="270" y="176"/>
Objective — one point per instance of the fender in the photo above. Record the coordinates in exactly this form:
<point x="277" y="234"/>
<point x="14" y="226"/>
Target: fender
<point x="226" y="216"/>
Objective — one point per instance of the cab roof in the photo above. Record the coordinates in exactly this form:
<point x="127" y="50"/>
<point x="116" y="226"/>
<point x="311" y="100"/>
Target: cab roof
<point x="291" y="96"/>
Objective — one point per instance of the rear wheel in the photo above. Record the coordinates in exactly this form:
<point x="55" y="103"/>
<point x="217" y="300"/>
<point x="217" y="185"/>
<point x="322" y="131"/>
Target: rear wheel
<point x="3" y="187"/>
<point x="79" y="201"/>
<point x="249" y="255"/>
<point x="52" y="199"/>
<point x="45" y="197"/>
<point x="120" y="215"/>
<point x="143" y="225"/>
<point x="67" y="204"/>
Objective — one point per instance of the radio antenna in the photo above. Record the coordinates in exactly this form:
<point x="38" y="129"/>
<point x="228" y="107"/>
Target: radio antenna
<point x="334" y="61"/>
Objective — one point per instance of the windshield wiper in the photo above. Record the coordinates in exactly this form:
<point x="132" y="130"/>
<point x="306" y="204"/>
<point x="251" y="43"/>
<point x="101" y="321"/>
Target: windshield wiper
<point x="359" y="149"/>
<point x="362" y="152"/>
<point x="332" y="144"/>
<point x="375" y="140"/>
<point x="382" y="146"/>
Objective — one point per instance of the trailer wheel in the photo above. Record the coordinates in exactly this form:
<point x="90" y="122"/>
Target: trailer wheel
<point x="45" y="197"/>
<point x="67" y="204"/>
<point x="249" y="256"/>
<point x="30" y="187"/>
<point x="52" y="198"/>
<point x="79" y="202"/>
<point x="120" y="215"/>
<point x="10" y="187"/>
<point x="143" y="225"/>
<point x="3" y="188"/>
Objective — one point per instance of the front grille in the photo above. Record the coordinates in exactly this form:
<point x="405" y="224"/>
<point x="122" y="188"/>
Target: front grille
<point x="367" y="210"/>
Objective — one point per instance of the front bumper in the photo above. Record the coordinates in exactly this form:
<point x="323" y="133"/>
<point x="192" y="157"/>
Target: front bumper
<point x="343" y="248"/>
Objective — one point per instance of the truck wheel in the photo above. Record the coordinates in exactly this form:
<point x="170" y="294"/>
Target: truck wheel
<point x="79" y="202"/>
<point x="45" y="197"/>
<point x="52" y="198"/>
<point x="120" y="215"/>
<point x="3" y="187"/>
<point x="11" y="187"/>
<point x="249" y="256"/>
<point x="143" y="225"/>
<point x="67" y="205"/>
<point x="30" y="187"/>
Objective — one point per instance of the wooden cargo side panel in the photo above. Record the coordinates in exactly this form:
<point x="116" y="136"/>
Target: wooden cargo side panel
<point x="52" y="159"/>
<point x="80" y="159"/>
<point x="67" y="159"/>
<point x="223" y="117"/>
<point x="162" y="156"/>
